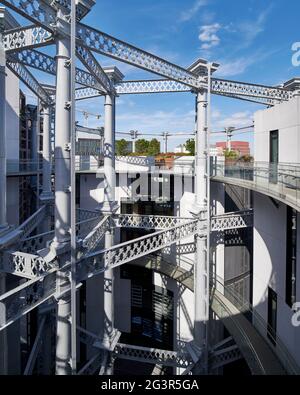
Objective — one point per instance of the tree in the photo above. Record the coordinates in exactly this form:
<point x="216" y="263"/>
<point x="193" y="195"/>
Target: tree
<point x="141" y="146"/>
<point x="246" y="158"/>
<point x="231" y="155"/>
<point x="122" y="147"/>
<point x="153" y="148"/>
<point x="190" y="146"/>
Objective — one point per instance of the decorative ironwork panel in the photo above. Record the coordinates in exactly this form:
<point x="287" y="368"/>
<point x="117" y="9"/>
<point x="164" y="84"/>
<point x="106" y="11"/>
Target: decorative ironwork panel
<point x="92" y="240"/>
<point x="136" y="160"/>
<point x="26" y="37"/>
<point x="250" y="90"/>
<point x="99" y="261"/>
<point x="36" y="11"/>
<point x="24" y="265"/>
<point x="243" y="219"/>
<point x="107" y="45"/>
<point x="90" y="62"/>
<point x="150" y="86"/>
<point x="149" y="221"/>
<point x="152" y="355"/>
<point x="21" y="72"/>
<point x="35" y="59"/>
<point x="87" y="93"/>
<point x="47" y="64"/>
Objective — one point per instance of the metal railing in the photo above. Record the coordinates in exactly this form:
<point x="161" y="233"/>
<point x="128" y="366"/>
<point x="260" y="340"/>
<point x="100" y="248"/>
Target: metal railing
<point x="273" y="340"/>
<point x="280" y="180"/>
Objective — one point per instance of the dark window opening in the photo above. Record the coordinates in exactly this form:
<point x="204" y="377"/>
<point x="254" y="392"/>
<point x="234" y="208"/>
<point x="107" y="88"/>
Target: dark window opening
<point x="291" y="256"/>
<point x="274" y="155"/>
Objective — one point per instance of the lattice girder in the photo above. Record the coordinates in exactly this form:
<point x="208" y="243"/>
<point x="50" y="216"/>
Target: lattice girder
<point x="149" y="221"/>
<point x="28" y="79"/>
<point x="107" y="259"/>
<point x="40" y="61"/>
<point x="242" y="219"/>
<point x="37" y="11"/>
<point x="249" y="90"/>
<point x="25" y="265"/>
<point x="26" y="37"/>
<point x="90" y="62"/>
<point x="107" y="45"/>
<point x="153" y="355"/>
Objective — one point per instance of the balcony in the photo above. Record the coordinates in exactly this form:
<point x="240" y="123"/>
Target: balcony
<point x="280" y="181"/>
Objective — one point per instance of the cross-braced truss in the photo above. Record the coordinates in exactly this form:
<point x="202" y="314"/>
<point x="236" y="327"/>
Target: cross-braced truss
<point x="261" y="94"/>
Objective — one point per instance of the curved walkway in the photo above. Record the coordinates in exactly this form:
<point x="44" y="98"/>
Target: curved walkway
<point x="258" y="355"/>
<point x="288" y="196"/>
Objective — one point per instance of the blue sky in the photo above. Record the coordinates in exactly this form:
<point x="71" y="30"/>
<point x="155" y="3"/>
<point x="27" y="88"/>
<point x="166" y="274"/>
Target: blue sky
<point x="251" y="39"/>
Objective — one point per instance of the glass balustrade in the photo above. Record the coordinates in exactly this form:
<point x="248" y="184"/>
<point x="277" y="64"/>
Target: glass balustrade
<point x="280" y="180"/>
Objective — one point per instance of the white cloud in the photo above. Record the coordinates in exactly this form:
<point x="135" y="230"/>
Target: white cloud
<point x="157" y="121"/>
<point x="229" y="68"/>
<point x="251" y="29"/>
<point x="208" y="36"/>
<point x="235" y="67"/>
<point x="238" y="119"/>
<point x="191" y="12"/>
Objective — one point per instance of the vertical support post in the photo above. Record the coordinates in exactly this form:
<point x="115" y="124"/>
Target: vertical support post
<point x="3" y="333"/>
<point x="62" y="143"/>
<point x="37" y="137"/>
<point x="61" y="243"/>
<point x="109" y="207"/>
<point x="3" y="223"/>
<point x="47" y="192"/>
<point x="165" y="138"/>
<point x="201" y="289"/>
<point x="73" y="192"/>
<point x="134" y="134"/>
<point x="108" y="296"/>
<point x="63" y="336"/>
<point x="109" y="153"/>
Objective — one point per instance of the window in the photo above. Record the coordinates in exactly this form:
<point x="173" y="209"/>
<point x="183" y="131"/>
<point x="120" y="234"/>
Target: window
<point x="273" y="177"/>
<point x="291" y="255"/>
<point x="272" y="315"/>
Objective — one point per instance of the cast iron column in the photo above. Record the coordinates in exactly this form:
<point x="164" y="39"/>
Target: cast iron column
<point x="47" y="192"/>
<point x="109" y="207"/>
<point x="201" y="289"/>
<point x="62" y="214"/>
<point x="3" y="223"/>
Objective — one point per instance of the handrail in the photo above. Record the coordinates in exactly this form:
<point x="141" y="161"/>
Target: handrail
<point x="258" y="321"/>
<point x="280" y="181"/>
